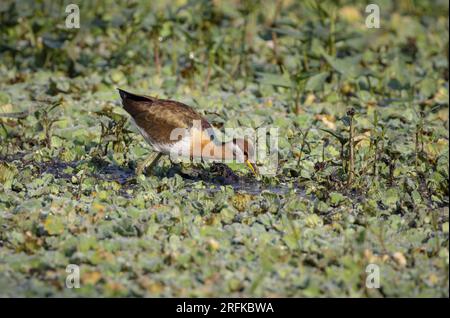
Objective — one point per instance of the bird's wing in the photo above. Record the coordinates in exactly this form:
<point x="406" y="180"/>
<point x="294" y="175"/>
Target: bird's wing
<point x="166" y="120"/>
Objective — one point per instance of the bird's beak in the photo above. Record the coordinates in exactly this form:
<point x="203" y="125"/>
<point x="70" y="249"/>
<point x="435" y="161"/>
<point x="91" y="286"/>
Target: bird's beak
<point x="252" y="167"/>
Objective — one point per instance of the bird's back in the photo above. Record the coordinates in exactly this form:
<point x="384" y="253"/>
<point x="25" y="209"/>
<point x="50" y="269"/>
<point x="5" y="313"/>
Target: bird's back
<point x="159" y="117"/>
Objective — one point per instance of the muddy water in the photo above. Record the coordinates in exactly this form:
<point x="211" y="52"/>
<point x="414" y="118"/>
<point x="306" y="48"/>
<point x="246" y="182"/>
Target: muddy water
<point x="218" y="175"/>
<point x="215" y="177"/>
<point x="221" y="175"/>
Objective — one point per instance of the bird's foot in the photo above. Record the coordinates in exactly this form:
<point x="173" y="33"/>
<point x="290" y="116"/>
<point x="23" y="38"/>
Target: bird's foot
<point x="141" y="167"/>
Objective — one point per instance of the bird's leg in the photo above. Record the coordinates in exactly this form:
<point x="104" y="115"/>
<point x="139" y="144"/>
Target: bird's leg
<point x="155" y="161"/>
<point x="140" y="168"/>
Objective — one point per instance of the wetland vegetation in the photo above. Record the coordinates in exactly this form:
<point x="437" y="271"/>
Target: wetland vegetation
<point x="362" y="173"/>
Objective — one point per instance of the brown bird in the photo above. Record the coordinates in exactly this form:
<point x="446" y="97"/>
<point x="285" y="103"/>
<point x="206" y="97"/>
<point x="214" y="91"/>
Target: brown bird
<point x="175" y="129"/>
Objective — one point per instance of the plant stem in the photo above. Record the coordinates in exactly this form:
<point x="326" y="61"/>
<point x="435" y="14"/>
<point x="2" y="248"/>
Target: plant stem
<point x="331" y="39"/>
<point x="156" y="54"/>
<point x="351" y="163"/>
<point x="376" y="141"/>
<point x="277" y="58"/>
<point x="298" y="109"/>
<point x="305" y="134"/>
<point x="416" y="157"/>
<point x="208" y="73"/>
<point x="375" y="172"/>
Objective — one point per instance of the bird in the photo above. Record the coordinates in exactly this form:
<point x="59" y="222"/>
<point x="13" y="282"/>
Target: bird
<point x="176" y="129"/>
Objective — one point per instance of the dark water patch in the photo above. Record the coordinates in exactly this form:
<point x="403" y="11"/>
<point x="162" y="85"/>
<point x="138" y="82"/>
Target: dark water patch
<point x="216" y="176"/>
<point x="221" y="175"/>
<point x="116" y="173"/>
<point x="56" y="168"/>
<point x="13" y="157"/>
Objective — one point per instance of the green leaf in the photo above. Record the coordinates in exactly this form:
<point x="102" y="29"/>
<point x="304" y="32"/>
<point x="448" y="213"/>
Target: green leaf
<point x="315" y="82"/>
<point x="428" y="87"/>
<point x="275" y="80"/>
<point x="390" y="197"/>
<point x="289" y="32"/>
<point x="348" y="67"/>
<point x="336" y="198"/>
<point x="52" y="42"/>
<point x="53" y="225"/>
<point x="337" y="135"/>
<point x="4" y="98"/>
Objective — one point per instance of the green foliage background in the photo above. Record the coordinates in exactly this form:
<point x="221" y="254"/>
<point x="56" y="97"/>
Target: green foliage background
<point x="68" y="193"/>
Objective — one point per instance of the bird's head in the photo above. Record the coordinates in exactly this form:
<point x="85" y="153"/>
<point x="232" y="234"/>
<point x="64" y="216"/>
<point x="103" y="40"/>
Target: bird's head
<point x="244" y="150"/>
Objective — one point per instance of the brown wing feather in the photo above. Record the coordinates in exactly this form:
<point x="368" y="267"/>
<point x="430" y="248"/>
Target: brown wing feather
<point x="159" y="117"/>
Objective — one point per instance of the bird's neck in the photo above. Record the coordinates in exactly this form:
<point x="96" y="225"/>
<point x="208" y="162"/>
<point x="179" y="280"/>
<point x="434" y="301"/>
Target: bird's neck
<point x="224" y="151"/>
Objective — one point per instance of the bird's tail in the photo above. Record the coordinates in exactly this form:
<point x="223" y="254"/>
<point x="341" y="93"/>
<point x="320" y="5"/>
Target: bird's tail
<point x="134" y="103"/>
<point x="134" y="97"/>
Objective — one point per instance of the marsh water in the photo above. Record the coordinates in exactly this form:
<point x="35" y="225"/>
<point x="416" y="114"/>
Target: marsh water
<point x="215" y="177"/>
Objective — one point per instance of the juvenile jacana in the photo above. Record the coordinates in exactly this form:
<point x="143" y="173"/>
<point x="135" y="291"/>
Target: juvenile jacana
<point x="171" y="127"/>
